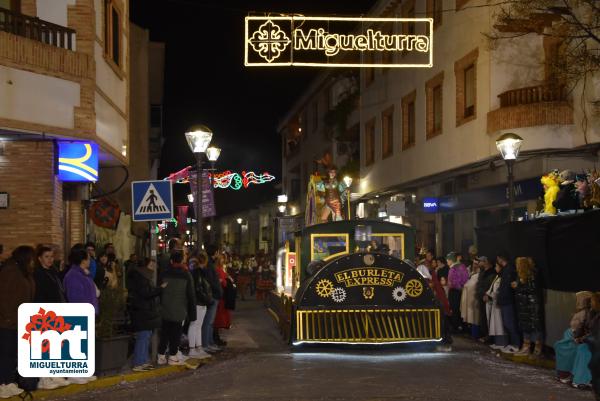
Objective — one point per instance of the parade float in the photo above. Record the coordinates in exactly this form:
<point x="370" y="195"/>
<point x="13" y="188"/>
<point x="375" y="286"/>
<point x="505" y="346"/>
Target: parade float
<point x="343" y="281"/>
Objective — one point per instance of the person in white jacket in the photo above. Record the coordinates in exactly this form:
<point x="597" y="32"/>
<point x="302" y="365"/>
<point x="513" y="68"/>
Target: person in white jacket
<point x="469" y="305"/>
<point x="494" y="316"/>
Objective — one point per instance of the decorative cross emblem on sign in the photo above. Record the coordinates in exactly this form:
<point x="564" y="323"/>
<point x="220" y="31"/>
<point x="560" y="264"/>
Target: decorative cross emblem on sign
<point x="269" y="41"/>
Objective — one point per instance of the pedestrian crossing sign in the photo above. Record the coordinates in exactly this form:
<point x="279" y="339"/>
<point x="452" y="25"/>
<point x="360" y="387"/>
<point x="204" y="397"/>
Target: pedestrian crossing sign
<point x="152" y="200"/>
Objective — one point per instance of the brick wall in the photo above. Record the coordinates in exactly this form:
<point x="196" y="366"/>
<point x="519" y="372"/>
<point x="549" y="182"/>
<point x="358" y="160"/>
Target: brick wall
<point x="29" y="7"/>
<point x="30" y="55"/>
<point x="76" y="224"/>
<point x="35" y="207"/>
<point x="82" y="18"/>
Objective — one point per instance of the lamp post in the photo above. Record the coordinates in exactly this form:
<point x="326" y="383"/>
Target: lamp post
<point x="212" y="153"/>
<point x="509" y="145"/>
<point x="281" y="208"/>
<point x="240" y="221"/>
<point x="198" y="138"/>
<point x="348" y="182"/>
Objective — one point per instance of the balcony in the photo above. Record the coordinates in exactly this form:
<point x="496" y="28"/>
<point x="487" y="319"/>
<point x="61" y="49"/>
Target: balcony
<point x="529" y="107"/>
<point x="36" y="29"/>
<point x="533" y="94"/>
<point x="29" y="43"/>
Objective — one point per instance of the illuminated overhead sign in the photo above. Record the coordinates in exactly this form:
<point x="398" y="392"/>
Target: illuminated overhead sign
<point x="229" y="179"/>
<point x="77" y="161"/>
<point x="338" y="42"/>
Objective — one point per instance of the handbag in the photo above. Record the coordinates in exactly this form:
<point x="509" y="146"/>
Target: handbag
<point x="203" y="291"/>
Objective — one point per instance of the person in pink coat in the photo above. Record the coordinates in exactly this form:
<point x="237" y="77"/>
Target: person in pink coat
<point x="457" y="278"/>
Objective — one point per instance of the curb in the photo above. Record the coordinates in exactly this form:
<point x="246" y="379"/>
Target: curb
<point x="111" y="381"/>
<point x="524" y="359"/>
<point x="540" y="362"/>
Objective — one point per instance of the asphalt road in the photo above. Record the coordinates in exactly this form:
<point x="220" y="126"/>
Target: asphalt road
<point x="259" y="366"/>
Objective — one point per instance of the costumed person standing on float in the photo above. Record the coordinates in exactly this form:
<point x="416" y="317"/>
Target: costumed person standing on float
<point x="335" y="194"/>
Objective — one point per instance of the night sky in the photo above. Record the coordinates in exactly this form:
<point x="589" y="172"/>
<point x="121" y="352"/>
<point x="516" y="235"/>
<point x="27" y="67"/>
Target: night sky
<point x="206" y="82"/>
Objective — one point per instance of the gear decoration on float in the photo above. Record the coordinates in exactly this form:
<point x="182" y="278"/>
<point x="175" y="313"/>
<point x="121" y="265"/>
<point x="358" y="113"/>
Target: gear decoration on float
<point x="399" y="294"/>
<point x="414" y="288"/>
<point x="338" y="294"/>
<point x="324" y="288"/>
<point x="45" y="321"/>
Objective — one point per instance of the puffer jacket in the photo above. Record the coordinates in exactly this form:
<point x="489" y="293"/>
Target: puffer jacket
<point x="529" y="306"/>
<point x="178" y="299"/>
<point x="143" y="300"/>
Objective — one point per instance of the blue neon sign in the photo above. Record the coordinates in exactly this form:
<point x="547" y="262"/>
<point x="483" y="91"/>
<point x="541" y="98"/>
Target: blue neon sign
<point x="77" y="161"/>
<point x="431" y="205"/>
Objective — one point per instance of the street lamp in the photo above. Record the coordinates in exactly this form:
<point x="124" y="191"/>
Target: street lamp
<point x="509" y="145"/>
<point x="348" y="182"/>
<point x="282" y="200"/>
<point x="277" y="232"/>
<point x="212" y="153"/>
<point x="198" y="138"/>
<point x="240" y="221"/>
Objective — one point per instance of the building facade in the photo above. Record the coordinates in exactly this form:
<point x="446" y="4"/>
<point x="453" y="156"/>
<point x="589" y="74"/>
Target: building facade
<point x="321" y="128"/>
<point x="247" y="232"/>
<point x="64" y="75"/>
<point x="428" y="134"/>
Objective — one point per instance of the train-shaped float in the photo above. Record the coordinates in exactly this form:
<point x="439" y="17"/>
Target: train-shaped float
<point x="345" y="282"/>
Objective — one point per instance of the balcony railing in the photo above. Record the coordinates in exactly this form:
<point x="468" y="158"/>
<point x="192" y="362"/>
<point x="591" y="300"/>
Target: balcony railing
<point x="36" y="29"/>
<point x="533" y="94"/>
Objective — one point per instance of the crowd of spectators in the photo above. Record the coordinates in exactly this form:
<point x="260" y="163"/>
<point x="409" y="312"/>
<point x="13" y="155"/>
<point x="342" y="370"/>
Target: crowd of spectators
<point x="500" y="303"/>
<point x="185" y="297"/>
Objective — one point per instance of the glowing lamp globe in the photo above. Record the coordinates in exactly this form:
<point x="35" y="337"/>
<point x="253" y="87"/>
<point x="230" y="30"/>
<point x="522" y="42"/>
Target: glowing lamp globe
<point x="348" y="180"/>
<point x="239" y="220"/>
<point x="281" y="208"/>
<point x="198" y="138"/>
<point x="509" y="145"/>
<point x="213" y="153"/>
